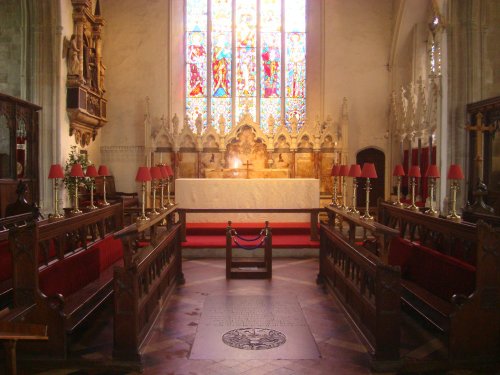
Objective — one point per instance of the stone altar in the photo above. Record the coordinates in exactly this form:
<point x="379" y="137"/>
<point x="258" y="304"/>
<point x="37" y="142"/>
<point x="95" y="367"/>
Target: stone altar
<point x="247" y="193"/>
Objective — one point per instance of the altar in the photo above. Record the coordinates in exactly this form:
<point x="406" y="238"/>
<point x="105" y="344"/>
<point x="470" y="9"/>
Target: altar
<point x="247" y="193"/>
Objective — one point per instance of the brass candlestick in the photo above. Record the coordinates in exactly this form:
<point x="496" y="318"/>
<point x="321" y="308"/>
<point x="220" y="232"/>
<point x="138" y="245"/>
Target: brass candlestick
<point x="153" y="209"/>
<point x="334" y="193"/>
<point x="398" y="202"/>
<point x="92" y="206"/>
<point x="431" y="211"/>
<point x="104" y="201"/>
<point x="162" y="199"/>
<point x="413" y="206"/>
<point x="344" y="194"/>
<point x="75" y="209"/>
<point x="56" y="215"/>
<point x="353" y="209"/>
<point x="367" y="215"/>
<point x="169" y="202"/>
<point x="143" y="216"/>
<point x="453" y="215"/>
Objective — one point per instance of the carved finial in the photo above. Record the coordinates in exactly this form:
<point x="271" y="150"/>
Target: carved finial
<point x="222" y="125"/>
<point x="175" y="124"/>
<point x="271" y="122"/>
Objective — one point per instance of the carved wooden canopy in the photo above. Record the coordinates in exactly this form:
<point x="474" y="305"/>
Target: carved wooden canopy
<point x="86" y="104"/>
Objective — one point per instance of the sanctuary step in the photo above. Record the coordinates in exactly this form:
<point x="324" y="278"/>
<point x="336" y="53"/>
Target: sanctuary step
<point x="213" y="235"/>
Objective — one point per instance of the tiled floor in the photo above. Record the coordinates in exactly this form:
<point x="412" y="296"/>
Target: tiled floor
<point x="168" y="350"/>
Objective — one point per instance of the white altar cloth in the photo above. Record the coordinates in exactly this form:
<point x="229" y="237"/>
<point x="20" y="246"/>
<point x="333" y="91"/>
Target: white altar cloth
<point x="247" y="193"/>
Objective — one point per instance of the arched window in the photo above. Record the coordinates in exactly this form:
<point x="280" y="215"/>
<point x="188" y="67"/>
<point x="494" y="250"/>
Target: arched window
<point x="245" y="56"/>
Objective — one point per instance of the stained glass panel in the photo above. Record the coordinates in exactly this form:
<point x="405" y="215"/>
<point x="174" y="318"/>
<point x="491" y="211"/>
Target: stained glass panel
<point x="196" y="70"/>
<point x="258" y="87"/>
<point x="246" y="21"/>
<point x="270" y="15"/>
<point x="271" y="65"/>
<point x="246" y="72"/>
<point x="196" y="11"/>
<point x="221" y="64"/>
<point x="221" y="15"/>
<point x="296" y="108"/>
<point x="244" y="105"/>
<point x="270" y="113"/>
<point x="295" y="16"/>
<point x="295" y="65"/>
<point x="196" y="108"/>
<point x="222" y="107"/>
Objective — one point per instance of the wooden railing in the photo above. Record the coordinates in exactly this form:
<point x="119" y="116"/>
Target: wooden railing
<point x="375" y="236"/>
<point x="313" y="212"/>
<point x="458" y="239"/>
<point x="368" y="289"/>
<point x="152" y="269"/>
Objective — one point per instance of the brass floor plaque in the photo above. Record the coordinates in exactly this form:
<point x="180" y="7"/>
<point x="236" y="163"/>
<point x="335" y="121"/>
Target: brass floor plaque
<point x="253" y="327"/>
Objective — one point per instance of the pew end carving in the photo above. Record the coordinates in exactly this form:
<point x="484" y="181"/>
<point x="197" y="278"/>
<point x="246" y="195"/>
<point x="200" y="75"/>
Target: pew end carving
<point x="152" y="269"/>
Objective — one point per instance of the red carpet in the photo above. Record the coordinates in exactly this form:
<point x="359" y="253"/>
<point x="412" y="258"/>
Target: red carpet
<point x="213" y="235"/>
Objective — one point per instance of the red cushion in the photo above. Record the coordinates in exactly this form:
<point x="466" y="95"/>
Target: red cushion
<point x="399" y="254"/>
<point x="71" y="274"/>
<point x="440" y="274"/>
<point x="111" y="250"/>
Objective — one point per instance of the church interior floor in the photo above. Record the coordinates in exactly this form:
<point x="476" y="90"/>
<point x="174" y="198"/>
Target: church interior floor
<point x="169" y="348"/>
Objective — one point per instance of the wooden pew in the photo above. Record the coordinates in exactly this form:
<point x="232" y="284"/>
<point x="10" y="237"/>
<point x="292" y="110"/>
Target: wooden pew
<point x="66" y="283"/>
<point x="456" y="239"/>
<point x="152" y="268"/>
<point x="450" y="277"/>
<point x="368" y="289"/>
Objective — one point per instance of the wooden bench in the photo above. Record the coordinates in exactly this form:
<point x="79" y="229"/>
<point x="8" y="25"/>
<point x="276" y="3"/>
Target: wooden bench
<point x="430" y="280"/>
<point x="451" y="278"/>
<point x="152" y="269"/>
<point x="72" y="284"/>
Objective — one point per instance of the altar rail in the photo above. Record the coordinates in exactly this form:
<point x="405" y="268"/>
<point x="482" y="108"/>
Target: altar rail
<point x="368" y="289"/>
<point x="314" y="212"/>
<point x="152" y="269"/>
<point x="456" y="239"/>
<point x="60" y="273"/>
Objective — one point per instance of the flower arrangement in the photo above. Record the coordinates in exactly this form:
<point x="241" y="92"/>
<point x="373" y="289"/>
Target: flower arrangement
<point x="75" y="157"/>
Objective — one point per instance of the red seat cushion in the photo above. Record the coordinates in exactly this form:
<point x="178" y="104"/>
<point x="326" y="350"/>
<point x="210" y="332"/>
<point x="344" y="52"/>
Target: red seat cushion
<point x="5" y="261"/>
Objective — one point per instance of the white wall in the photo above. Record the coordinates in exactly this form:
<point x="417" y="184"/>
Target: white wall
<point x="135" y="42"/>
<point x="356" y="48"/>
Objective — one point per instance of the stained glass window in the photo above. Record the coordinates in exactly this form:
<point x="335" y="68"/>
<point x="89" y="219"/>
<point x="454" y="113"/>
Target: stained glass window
<point x="246" y="56"/>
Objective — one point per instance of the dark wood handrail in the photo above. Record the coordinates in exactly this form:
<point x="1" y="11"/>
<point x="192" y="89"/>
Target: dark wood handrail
<point x="314" y="212"/>
<point x="384" y="234"/>
<point x="437" y="233"/>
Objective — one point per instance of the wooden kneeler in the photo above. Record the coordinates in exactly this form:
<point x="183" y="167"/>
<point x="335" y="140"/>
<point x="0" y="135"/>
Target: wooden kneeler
<point x="249" y="268"/>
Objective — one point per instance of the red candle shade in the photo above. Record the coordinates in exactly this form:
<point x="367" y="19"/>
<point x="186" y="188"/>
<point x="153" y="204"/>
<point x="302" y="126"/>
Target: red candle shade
<point x="398" y="170"/>
<point x="355" y="170"/>
<point x="369" y="171"/>
<point x="103" y="170"/>
<point x="76" y="170"/>
<point x="169" y="170"/>
<point x="143" y="174"/>
<point x="455" y="172"/>
<point x="155" y="173"/>
<point x="91" y="171"/>
<point x="335" y="170"/>
<point x="164" y="173"/>
<point x="432" y="171"/>
<point x="414" y="171"/>
<point x="56" y="171"/>
<point x="344" y="170"/>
